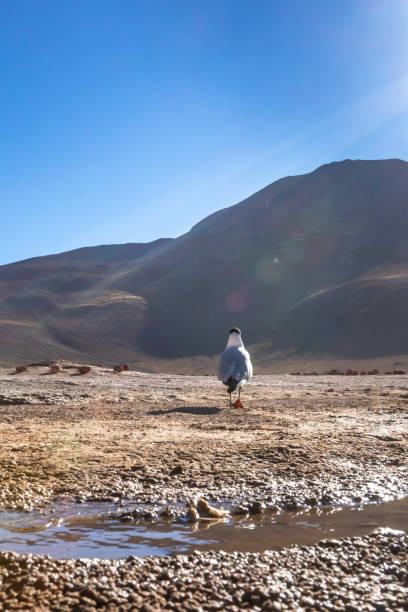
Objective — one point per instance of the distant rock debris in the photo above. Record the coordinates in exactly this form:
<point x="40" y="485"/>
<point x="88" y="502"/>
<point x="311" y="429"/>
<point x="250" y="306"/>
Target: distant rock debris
<point x="84" y="369"/>
<point x="22" y="368"/>
<point x="124" y="367"/>
<point x="305" y="373"/>
<point x="350" y="372"/>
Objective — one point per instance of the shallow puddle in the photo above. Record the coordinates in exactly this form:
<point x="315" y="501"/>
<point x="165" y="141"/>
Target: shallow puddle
<point x="81" y="533"/>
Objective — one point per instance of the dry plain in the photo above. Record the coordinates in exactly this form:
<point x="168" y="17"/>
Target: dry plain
<point x="162" y="439"/>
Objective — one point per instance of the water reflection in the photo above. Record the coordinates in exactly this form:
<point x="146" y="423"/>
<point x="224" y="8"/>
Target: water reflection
<point x="87" y="535"/>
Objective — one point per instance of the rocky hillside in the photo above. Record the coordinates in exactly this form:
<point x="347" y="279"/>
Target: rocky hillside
<point x="312" y="266"/>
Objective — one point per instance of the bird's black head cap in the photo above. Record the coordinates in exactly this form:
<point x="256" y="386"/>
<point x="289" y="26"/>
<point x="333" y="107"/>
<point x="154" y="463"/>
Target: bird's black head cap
<point x="235" y="330"/>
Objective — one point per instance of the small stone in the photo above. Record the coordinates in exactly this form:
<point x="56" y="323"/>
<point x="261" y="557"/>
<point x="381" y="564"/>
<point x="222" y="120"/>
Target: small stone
<point x="176" y="470"/>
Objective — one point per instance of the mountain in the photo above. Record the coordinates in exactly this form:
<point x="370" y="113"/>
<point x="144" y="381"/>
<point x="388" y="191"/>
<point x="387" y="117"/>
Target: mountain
<point x="312" y="267"/>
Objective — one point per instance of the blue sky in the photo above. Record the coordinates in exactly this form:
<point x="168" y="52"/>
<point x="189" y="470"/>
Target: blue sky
<point x="130" y="120"/>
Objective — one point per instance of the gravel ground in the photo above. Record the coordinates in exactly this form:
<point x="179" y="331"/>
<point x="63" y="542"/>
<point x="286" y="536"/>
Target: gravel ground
<point x="163" y="439"/>
<point x="353" y="574"/>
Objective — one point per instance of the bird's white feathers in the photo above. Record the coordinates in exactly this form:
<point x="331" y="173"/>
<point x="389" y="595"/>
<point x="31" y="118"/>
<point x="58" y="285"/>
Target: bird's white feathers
<point x="235" y="361"/>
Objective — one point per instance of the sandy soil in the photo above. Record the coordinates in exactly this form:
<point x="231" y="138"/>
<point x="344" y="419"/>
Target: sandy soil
<point x="297" y="440"/>
<point x="165" y="438"/>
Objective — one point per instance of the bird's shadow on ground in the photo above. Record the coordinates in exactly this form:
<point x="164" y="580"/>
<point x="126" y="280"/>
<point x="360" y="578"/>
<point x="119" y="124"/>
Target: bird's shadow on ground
<point x="198" y="410"/>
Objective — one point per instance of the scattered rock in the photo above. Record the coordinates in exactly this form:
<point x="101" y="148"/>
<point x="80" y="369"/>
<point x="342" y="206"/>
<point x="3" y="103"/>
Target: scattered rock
<point x="256" y="507"/>
<point x="240" y="511"/>
<point x="176" y="470"/>
<point x="84" y="369"/>
<point x="200" y="509"/>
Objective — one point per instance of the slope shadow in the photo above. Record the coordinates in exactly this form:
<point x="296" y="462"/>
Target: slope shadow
<point x="199" y="410"/>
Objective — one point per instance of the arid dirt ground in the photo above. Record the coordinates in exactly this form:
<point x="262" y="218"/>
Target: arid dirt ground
<point x="165" y="438"/>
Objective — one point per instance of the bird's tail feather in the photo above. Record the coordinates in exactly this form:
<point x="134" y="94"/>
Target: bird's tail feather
<point x="232" y="384"/>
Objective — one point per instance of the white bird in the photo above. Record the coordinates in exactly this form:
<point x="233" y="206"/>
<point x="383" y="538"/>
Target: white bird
<point x="235" y="365"/>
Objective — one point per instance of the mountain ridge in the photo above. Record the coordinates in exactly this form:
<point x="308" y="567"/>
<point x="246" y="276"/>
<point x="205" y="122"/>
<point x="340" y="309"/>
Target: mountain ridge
<point x="291" y="254"/>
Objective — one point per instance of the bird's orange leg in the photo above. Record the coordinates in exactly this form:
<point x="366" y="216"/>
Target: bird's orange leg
<point x="238" y="404"/>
